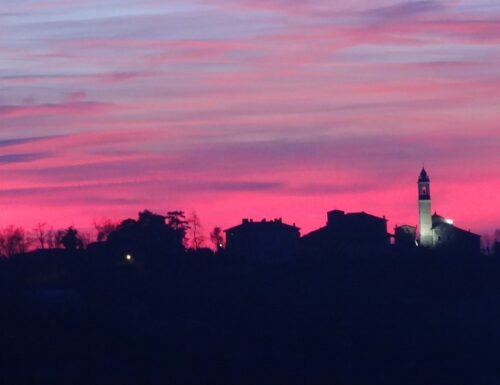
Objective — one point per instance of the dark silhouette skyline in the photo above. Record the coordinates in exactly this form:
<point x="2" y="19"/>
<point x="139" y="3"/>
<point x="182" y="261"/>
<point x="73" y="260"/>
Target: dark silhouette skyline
<point x="433" y="230"/>
<point x="348" y="303"/>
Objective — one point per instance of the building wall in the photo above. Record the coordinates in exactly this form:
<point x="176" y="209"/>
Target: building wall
<point x="343" y="233"/>
<point x="449" y="237"/>
<point x="425" y="223"/>
<point x="405" y="236"/>
<point x="364" y="228"/>
<point x="262" y="240"/>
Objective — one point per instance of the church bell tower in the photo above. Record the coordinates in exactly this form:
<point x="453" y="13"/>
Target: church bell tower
<point x="424" y="210"/>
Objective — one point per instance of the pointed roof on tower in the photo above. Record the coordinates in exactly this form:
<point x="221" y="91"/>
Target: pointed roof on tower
<point x="423" y="176"/>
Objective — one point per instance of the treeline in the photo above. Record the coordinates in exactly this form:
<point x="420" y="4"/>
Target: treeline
<point x="16" y="240"/>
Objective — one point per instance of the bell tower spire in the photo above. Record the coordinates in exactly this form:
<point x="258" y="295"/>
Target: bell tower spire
<point x="424" y="208"/>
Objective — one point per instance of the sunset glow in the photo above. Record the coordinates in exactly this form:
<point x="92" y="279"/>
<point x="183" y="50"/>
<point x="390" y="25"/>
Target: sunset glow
<point x="248" y="109"/>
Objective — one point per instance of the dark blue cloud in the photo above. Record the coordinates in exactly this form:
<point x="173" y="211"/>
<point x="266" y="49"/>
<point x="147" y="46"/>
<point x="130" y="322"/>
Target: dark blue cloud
<point x="22" y="158"/>
<point x="15" y="141"/>
<point x="405" y="10"/>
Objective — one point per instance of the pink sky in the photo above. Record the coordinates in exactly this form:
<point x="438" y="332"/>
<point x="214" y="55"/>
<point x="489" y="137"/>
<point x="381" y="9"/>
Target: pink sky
<point x="238" y="108"/>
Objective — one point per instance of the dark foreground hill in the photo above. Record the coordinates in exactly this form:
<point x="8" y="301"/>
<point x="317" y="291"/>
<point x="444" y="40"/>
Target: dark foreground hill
<point x="344" y="319"/>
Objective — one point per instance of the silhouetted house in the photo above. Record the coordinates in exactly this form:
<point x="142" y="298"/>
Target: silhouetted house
<point x="446" y="236"/>
<point x="263" y="240"/>
<point x="405" y="236"/>
<point x="352" y="231"/>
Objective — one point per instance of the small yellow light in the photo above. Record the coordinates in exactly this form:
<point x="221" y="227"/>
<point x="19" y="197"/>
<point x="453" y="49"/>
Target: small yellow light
<point x="128" y="257"/>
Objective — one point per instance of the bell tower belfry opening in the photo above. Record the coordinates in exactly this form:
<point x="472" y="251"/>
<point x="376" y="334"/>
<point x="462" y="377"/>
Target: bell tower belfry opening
<point x="424" y="210"/>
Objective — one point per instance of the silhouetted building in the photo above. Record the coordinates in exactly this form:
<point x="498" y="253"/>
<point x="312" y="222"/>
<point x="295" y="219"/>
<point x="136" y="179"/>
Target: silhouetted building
<point x="262" y="240"/>
<point x="351" y="231"/>
<point x="424" y="209"/>
<point x="405" y="236"/>
<point x="447" y="236"/>
<point x="436" y="231"/>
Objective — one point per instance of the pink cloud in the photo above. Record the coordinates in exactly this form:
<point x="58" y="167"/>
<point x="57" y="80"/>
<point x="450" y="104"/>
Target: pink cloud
<point x="66" y="108"/>
<point x="250" y="109"/>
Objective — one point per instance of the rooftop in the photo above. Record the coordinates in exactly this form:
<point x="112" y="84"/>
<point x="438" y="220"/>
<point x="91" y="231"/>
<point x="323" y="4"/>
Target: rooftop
<point x="423" y="177"/>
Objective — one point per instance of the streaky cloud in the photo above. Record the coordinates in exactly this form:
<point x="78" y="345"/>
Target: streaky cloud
<point x="23" y="158"/>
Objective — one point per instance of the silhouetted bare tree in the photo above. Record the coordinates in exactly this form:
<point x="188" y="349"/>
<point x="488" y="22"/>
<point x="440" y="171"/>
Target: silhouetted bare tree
<point x="195" y="229"/>
<point x="41" y="234"/>
<point x="13" y="241"/>
<point x="86" y="238"/>
<point x="57" y="238"/>
<point x="53" y="238"/>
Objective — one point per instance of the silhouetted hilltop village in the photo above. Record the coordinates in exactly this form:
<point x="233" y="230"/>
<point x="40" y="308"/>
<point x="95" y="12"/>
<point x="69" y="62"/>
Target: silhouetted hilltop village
<point x="256" y="240"/>
<point x="348" y="303"/>
<point x="154" y="240"/>
<point x="361" y="232"/>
